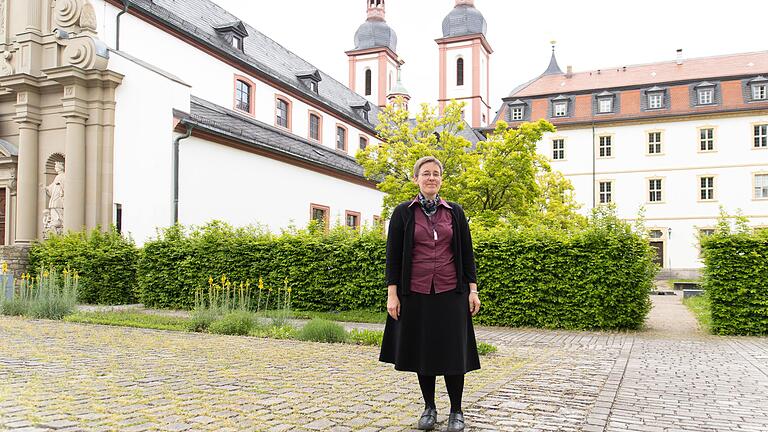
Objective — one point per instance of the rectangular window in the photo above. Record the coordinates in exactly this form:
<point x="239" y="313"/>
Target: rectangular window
<point x="558" y="149"/>
<point x="707" y="139"/>
<point x="654" y="142"/>
<point x="761" y="186"/>
<point x="761" y="136"/>
<point x="517" y="113"/>
<point x="281" y="108"/>
<point x="352" y="219"/>
<point x="119" y="217"/>
<point x="363" y="142"/>
<point x="242" y="96"/>
<point x="314" y="86"/>
<point x="760" y="92"/>
<point x="237" y="42"/>
<point x="655" y="100"/>
<point x="706" y="188"/>
<point x="606" y="192"/>
<point x="560" y="109"/>
<point x="320" y="214"/>
<point x="654" y="190"/>
<point x="706" y="96"/>
<point x="605" y="105"/>
<point x="314" y="127"/>
<point x="341" y="138"/>
<point x="606" y="146"/>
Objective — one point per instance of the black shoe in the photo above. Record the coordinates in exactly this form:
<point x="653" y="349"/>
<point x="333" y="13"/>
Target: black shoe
<point x="455" y="422"/>
<point x="428" y="419"/>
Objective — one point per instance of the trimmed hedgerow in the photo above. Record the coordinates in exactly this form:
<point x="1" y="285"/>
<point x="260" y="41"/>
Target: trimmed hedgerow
<point x="597" y="278"/>
<point x="104" y="261"/>
<point x="736" y="281"/>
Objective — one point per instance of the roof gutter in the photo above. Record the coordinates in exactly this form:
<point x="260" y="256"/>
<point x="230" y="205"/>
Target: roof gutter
<point x="176" y="145"/>
<point x="126" y="4"/>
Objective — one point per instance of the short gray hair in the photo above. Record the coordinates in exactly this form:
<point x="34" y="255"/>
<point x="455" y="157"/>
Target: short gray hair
<point x="422" y="161"/>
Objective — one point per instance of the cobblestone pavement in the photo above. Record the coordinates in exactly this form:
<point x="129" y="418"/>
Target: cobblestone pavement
<point x="63" y="376"/>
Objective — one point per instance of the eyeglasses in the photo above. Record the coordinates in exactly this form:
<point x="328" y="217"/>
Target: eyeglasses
<point x="429" y="174"/>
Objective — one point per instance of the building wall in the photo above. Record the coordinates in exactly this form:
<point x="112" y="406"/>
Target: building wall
<point x="220" y="182"/>
<point x="213" y="79"/>
<point x="732" y="164"/>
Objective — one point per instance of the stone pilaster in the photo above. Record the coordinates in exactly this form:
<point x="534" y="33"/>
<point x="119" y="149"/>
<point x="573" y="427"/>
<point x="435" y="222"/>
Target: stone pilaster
<point x="75" y="115"/>
<point x="28" y="118"/>
<point x="94" y="136"/>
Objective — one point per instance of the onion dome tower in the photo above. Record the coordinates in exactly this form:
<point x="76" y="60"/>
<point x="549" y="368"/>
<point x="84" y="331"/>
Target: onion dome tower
<point x="373" y="63"/>
<point x="465" y="63"/>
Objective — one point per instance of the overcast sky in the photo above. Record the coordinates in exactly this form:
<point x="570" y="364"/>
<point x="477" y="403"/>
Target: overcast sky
<point x="590" y="34"/>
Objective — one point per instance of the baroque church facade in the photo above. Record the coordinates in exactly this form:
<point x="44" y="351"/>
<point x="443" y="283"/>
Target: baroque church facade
<point x="144" y="113"/>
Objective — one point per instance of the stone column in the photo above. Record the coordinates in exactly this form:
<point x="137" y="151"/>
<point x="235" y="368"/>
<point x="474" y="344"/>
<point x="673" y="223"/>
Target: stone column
<point x="34" y="15"/>
<point x="74" y="169"/>
<point x="28" y="173"/>
<point x="107" y="162"/>
<point x="93" y="157"/>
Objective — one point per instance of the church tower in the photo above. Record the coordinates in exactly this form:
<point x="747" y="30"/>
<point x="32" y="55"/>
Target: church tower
<point x="464" y="63"/>
<point x="373" y="63"/>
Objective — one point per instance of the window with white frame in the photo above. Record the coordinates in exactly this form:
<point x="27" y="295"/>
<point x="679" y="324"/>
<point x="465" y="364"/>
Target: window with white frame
<point x="759" y="91"/>
<point x="706" y="96"/>
<point x="606" y="146"/>
<point x="655" y="100"/>
<point x="606" y="191"/>
<point x="706" y="139"/>
<point x="237" y="42"/>
<point x="654" y="142"/>
<point x="761" y="136"/>
<point x="517" y="113"/>
<point x="761" y="186"/>
<point x="706" y="188"/>
<point x="242" y="96"/>
<point x="605" y="105"/>
<point x="654" y="190"/>
<point x="560" y="109"/>
<point x="558" y="149"/>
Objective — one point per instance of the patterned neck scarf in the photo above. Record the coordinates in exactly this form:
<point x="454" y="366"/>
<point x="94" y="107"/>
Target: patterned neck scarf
<point x="429" y="206"/>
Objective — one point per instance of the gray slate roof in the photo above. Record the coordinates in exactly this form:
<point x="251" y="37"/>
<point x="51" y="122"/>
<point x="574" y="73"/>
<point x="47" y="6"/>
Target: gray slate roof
<point x="198" y="18"/>
<point x="468" y="133"/>
<point x="375" y="34"/>
<point x="225" y="122"/>
<point x="464" y="20"/>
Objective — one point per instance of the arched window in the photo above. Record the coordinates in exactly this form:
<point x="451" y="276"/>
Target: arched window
<point x="341" y="138"/>
<point x="368" y="82"/>
<point x="363" y="142"/>
<point x="460" y="72"/>
<point x="282" y="113"/>
<point x="243" y="96"/>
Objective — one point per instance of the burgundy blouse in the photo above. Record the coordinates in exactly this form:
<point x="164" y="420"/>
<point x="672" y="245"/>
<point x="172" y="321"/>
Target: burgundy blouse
<point x="432" y="255"/>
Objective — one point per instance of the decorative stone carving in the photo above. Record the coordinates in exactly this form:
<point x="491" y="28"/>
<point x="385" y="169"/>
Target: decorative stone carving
<point x="53" y="216"/>
<point x="85" y="52"/>
<point x="6" y="68"/>
<point x="88" y="17"/>
<point x="12" y="183"/>
<point x="67" y="13"/>
<point x="2" y="20"/>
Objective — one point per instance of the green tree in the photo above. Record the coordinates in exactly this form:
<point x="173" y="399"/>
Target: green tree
<point x="500" y="180"/>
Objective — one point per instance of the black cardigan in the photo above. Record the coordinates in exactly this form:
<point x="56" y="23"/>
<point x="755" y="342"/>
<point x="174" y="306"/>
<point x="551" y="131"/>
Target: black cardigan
<point x="400" y="248"/>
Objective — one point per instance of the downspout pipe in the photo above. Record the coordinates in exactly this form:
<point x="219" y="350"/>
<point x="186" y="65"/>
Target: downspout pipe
<point x="176" y="143"/>
<point x="126" y="3"/>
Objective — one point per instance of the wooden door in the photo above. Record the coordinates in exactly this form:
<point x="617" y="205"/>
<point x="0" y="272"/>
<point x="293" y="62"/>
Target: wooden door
<point x="659" y="247"/>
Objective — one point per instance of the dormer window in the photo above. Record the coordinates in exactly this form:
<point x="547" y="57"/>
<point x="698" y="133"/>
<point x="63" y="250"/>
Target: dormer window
<point x="517" y="110"/>
<point x="605" y="102"/>
<point x="759" y="88"/>
<point x="361" y="108"/>
<point x="311" y="79"/>
<point x="655" y="98"/>
<point x="560" y="109"/>
<point x="705" y="93"/>
<point x="237" y="42"/>
<point x="234" y="33"/>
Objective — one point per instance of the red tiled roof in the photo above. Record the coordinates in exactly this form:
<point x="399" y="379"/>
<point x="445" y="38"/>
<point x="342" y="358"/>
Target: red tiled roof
<point x="754" y="63"/>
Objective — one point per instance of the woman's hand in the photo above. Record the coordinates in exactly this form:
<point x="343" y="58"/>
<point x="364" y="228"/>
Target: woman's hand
<point x="393" y="306"/>
<point x="474" y="300"/>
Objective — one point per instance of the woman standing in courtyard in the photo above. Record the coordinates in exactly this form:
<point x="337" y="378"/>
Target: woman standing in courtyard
<point x="432" y="294"/>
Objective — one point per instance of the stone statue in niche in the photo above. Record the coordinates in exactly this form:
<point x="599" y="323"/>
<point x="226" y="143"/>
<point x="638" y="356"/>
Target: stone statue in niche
<point x="53" y="217"/>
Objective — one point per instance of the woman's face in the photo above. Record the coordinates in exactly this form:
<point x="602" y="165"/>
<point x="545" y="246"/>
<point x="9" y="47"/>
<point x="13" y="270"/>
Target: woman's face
<point x="429" y="179"/>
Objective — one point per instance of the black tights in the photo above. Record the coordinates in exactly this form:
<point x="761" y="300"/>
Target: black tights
<point x="453" y="383"/>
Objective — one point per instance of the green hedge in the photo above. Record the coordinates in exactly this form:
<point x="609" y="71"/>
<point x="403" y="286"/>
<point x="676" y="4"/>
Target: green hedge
<point x="598" y="278"/>
<point x="736" y="280"/>
<point x="105" y="262"/>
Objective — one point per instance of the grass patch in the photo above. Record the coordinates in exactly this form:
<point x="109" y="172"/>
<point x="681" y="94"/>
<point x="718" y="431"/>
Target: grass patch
<point x="366" y="337"/>
<point x="484" y="348"/>
<point x="130" y="319"/>
<point x="320" y="330"/>
<point x="237" y="322"/>
<point x="701" y="308"/>
<point x="360" y="315"/>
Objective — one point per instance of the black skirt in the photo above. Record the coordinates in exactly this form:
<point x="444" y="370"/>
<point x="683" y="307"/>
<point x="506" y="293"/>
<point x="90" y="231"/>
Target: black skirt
<point x="434" y="335"/>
